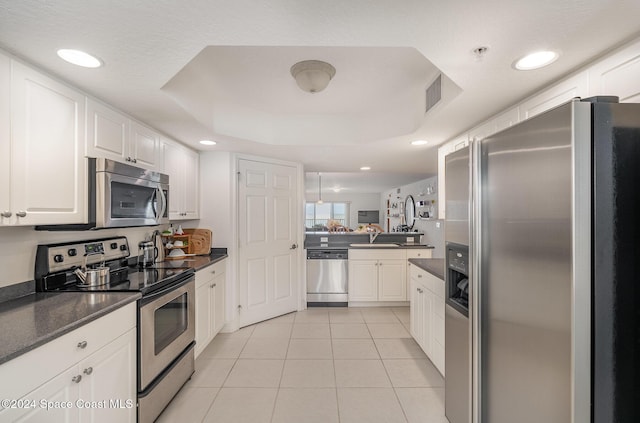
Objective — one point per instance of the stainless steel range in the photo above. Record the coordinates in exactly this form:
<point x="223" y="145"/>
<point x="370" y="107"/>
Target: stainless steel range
<point x="166" y="311"/>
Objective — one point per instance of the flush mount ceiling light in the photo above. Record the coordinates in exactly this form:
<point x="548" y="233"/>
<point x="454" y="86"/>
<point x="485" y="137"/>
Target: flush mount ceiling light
<point x="79" y="58"/>
<point x="208" y="142"/>
<point x="419" y="142"/>
<point x="536" y="60"/>
<point x="365" y="168"/>
<point x="312" y="76"/>
<point x="336" y="189"/>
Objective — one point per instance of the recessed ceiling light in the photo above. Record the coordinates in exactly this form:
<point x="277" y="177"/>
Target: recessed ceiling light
<point x="536" y="60"/>
<point x="208" y="142"/>
<point x="365" y="168"/>
<point x="336" y="189"/>
<point x="419" y="142"/>
<point x="79" y="58"/>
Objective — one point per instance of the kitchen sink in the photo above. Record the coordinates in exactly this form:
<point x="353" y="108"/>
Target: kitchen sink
<point x="375" y="245"/>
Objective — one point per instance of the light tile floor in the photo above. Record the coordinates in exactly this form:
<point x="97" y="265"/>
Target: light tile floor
<point x="324" y="365"/>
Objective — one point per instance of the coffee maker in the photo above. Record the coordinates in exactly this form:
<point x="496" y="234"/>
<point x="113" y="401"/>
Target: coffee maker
<point x="147" y="253"/>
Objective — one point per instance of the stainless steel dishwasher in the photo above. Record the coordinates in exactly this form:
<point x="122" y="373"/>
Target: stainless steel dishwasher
<point x="327" y="278"/>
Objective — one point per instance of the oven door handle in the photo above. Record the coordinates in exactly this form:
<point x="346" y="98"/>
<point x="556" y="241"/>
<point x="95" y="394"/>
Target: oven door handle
<point x="172" y="287"/>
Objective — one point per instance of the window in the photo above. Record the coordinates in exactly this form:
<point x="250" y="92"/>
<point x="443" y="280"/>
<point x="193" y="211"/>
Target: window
<point x="317" y="215"/>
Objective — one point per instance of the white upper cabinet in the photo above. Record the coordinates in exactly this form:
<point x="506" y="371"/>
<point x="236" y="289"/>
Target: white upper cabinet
<point x="114" y="136"/>
<point x="181" y="164"/>
<point x="445" y="149"/>
<point x="48" y="169"/>
<point x="574" y="86"/>
<point x="107" y="132"/>
<point x="507" y="119"/>
<point x="144" y="150"/>
<point x="618" y="75"/>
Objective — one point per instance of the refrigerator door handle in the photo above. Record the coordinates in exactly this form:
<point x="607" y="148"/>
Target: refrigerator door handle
<point x="475" y="282"/>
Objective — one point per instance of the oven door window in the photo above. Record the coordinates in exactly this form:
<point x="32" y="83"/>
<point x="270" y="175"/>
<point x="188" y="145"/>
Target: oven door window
<point x="170" y="321"/>
<point x="132" y="201"/>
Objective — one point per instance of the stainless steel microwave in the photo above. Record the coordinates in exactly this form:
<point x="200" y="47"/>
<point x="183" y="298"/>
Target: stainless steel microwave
<point x="121" y="195"/>
<point x="129" y="196"/>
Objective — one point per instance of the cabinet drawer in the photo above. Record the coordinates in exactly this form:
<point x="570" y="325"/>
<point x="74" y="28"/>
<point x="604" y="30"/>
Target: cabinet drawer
<point x="31" y="369"/>
<point x="434" y="284"/>
<point x="377" y="254"/>
<point x="417" y="274"/>
<point x="418" y="253"/>
<point x="207" y="274"/>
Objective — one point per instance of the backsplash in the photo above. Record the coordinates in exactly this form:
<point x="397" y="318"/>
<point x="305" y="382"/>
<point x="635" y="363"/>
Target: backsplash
<point x="18" y="247"/>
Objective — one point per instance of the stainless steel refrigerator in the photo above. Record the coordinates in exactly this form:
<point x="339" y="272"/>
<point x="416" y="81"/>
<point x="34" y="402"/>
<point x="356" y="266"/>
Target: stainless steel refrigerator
<point x="554" y="287"/>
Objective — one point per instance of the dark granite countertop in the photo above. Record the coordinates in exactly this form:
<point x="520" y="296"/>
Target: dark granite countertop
<point x="435" y="266"/>
<point x="197" y="262"/>
<point x="342" y="247"/>
<point x="33" y="320"/>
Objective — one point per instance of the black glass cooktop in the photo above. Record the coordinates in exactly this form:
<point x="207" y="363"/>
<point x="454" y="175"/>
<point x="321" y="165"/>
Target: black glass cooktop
<point x="131" y="279"/>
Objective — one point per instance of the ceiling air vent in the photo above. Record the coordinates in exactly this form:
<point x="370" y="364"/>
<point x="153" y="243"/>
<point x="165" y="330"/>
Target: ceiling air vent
<point x="434" y="93"/>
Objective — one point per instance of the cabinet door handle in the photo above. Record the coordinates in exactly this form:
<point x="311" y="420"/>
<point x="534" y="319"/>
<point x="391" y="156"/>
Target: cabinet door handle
<point x="6" y="213"/>
<point x="128" y="159"/>
<point x="21" y="213"/>
<point x="82" y="345"/>
<point x="76" y="378"/>
<point x="419" y="276"/>
<point x="212" y="285"/>
<point x="420" y="290"/>
<point x="213" y="272"/>
<point x="88" y="371"/>
<point x="293" y="246"/>
<point x="135" y="160"/>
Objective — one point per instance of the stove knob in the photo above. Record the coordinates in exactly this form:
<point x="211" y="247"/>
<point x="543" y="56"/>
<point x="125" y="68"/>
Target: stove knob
<point x="72" y="252"/>
<point x="58" y="258"/>
<point x="114" y="245"/>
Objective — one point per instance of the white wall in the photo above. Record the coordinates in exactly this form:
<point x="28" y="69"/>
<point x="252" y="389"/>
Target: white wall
<point x="365" y="201"/>
<point x="433" y="229"/>
<point x="217" y="196"/>
<point x="18" y="247"/>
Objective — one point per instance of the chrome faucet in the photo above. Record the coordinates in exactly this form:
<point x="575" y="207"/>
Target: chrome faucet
<point x="372" y="236"/>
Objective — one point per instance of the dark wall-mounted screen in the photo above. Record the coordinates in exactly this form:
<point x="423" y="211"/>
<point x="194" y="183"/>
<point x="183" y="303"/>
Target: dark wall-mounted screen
<point x="368" y="216"/>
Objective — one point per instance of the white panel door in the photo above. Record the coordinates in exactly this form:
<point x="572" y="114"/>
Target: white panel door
<point x="268" y="230"/>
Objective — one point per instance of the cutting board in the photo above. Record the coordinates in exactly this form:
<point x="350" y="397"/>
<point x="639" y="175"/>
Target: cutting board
<point x="200" y="241"/>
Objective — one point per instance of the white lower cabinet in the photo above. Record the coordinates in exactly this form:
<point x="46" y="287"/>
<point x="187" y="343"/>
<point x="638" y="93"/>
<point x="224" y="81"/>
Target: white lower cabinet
<point x="377" y="275"/>
<point x="210" y="304"/>
<point x="87" y="375"/>
<point x="427" y="314"/>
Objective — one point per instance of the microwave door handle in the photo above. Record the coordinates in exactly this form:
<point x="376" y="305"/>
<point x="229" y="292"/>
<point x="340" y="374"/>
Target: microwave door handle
<point x="163" y="207"/>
